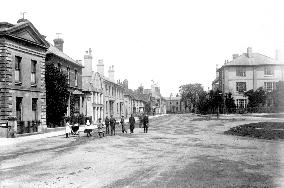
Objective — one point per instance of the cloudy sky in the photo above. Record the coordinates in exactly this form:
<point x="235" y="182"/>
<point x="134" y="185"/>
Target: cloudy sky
<point x="172" y="42"/>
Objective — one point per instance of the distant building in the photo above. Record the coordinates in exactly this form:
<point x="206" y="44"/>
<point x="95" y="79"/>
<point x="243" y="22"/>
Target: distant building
<point x="22" y="74"/>
<point x="174" y="104"/>
<point x="248" y="71"/>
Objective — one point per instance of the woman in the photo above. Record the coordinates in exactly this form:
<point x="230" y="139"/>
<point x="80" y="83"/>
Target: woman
<point x="88" y="129"/>
<point x="122" y="125"/>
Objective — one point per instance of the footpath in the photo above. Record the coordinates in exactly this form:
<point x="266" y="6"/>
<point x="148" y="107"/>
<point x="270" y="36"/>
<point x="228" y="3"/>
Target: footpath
<point x="4" y="142"/>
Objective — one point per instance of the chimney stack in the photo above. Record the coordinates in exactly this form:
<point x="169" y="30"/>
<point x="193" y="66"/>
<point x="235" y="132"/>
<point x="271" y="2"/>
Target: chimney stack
<point x="58" y="43"/>
<point x="235" y="56"/>
<point x="88" y="63"/>
<point x="111" y="73"/>
<point x="100" y="66"/>
<point x="249" y="52"/>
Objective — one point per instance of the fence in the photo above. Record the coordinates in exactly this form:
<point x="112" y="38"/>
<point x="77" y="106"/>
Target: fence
<point x="27" y="126"/>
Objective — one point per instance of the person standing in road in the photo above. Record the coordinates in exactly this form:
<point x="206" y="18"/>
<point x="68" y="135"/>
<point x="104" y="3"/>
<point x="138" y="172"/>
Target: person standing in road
<point x="67" y="129"/>
<point x="100" y="128"/>
<point x="132" y="123"/>
<point x="112" y="122"/>
<point x="145" y="123"/>
<point x="122" y="125"/>
<point x="107" y="125"/>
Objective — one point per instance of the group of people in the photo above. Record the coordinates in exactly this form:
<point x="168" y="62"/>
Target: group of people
<point x="110" y="126"/>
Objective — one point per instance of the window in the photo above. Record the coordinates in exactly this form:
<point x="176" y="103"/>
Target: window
<point x="76" y="78"/>
<point x="241" y="72"/>
<point x="268" y="70"/>
<point x="68" y="75"/>
<point x="33" y="72"/>
<point x="269" y="86"/>
<point x="19" y="108"/>
<point x="18" y="68"/>
<point x="106" y="105"/>
<point x="34" y="108"/>
<point x="241" y="103"/>
<point x="241" y="86"/>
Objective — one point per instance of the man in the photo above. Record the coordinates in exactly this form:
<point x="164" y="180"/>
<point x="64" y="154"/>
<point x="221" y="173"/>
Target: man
<point x="145" y="123"/>
<point x="132" y="123"/>
<point x="122" y="125"/>
<point x="112" y="122"/>
<point x="107" y="125"/>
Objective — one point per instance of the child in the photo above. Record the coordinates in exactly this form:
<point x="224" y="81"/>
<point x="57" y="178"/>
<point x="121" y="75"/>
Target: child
<point x="67" y="129"/>
<point x="88" y="128"/>
<point x="100" y="128"/>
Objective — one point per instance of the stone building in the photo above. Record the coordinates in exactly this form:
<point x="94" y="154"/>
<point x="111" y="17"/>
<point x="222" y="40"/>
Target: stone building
<point x="174" y="104"/>
<point x="73" y="70"/>
<point x="105" y="97"/>
<point x="22" y="72"/>
<point x="134" y="101"/>
<point x="248" y="71"/>
<point x="93" y="88"/>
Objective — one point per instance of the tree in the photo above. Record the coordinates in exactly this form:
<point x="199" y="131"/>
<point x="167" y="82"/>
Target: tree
<point x="256" y="98"/>
<point x="56" y="94"/>
<point x="190" y="93"/>
<point x="230" y="103"/>
<point x="148" y="107"/>
<point x="278" y="94"/>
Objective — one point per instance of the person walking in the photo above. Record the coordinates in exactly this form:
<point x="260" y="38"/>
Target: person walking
<point x="107" y="125"/>
<point x="67" y="129"/>
<point x="112" y="122"/>
<point x="145" y="123"/>
<point x="122" y="125"/>
<point x="132" y="123"/>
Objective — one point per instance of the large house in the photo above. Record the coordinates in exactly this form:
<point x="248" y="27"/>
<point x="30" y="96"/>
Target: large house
<point x="248" y="71"/>
<point x="174" y="104"/>
<point x="22" y="75"/>
<point x="73" y="70"/>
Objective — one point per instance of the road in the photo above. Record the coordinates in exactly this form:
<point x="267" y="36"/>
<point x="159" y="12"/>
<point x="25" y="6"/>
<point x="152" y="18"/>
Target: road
<point x="179" y="151"/>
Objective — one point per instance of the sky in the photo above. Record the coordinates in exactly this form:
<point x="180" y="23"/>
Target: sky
<point x="172" y="42"/>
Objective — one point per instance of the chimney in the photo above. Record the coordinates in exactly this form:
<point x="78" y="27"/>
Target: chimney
<point x="125" y="83"/>
<point x="249" y="52"/>
<point x="100" y="66"/>
<point x="88" y="63"/>
<point x="58" y="43"/>
<point x="235" y="56"/>
<point x="111" y="73"/>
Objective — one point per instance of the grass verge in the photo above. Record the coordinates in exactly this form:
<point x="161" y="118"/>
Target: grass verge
<point x="262" y="130"/>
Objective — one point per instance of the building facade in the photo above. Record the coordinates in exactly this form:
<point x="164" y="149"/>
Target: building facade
<point x="248" y="71"/>
<point x="174" y="104"/>
<point x="22" y="73"/>
<point x="73" y="70"/>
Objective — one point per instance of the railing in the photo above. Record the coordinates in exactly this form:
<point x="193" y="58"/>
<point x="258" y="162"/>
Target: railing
<point x="27" y="126"/>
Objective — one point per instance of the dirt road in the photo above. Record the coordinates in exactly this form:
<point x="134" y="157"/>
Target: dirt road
<point x="179" y="151"/>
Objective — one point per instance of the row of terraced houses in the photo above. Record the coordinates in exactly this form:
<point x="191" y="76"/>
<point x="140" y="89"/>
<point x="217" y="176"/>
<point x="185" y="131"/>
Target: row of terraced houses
<point x="24" y="53"/>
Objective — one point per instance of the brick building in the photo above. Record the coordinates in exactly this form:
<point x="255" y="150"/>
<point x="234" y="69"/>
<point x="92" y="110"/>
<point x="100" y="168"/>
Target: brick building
<point x="73" y="70"/>
<point x="22" y="72"/>
<point x="174" y="104"/>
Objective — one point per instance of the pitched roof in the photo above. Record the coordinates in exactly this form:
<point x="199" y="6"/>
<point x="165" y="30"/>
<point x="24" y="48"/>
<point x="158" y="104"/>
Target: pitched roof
<point x="23" y="30"/>
<point x="53" y="50"/>
<point x="256" y="59"/>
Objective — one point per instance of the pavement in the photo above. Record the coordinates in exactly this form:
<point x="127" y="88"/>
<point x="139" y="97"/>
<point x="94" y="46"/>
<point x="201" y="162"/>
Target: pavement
<point x="4" y="142"/>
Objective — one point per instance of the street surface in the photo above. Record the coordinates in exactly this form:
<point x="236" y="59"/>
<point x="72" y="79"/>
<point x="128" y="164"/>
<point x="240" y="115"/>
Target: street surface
<point x="181" y="150"/>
